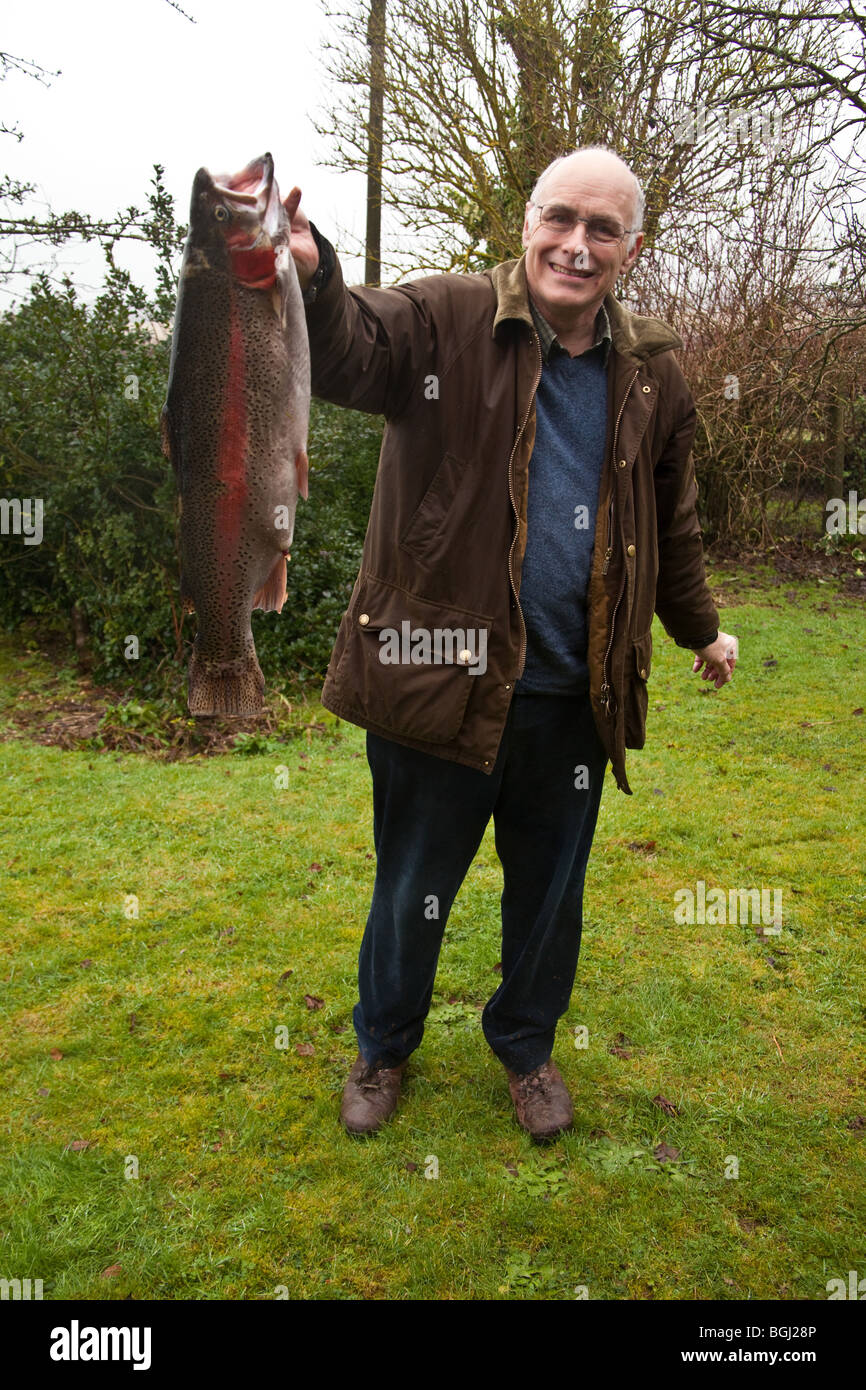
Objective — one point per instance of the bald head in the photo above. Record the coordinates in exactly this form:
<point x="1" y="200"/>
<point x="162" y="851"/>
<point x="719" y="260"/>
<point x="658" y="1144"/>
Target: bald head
<point x="583" y="240"/>
<point x="596" y="167"/>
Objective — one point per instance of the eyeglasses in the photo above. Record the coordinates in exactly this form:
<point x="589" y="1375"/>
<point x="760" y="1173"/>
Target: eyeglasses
<point x="604" y="231"/>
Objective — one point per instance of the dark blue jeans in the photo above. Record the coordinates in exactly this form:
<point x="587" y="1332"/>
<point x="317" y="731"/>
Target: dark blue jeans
<point x="429" y="817"/>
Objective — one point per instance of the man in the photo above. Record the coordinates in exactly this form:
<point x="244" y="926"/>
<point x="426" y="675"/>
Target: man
<point x="534" y="505"/>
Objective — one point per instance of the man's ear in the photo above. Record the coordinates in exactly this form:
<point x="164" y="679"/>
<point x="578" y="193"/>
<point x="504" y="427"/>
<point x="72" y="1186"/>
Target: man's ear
<point x="526" y="229"/>
<point x="632" y="255"/>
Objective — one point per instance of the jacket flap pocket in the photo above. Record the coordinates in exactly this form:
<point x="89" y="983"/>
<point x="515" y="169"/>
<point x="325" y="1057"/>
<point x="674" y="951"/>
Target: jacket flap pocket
<point x="409" y="665"/>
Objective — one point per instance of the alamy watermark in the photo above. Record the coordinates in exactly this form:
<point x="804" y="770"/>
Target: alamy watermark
<point x="77" y="1343"/>
<point x="842" y="517"/>
<point x="22" y="516"/>
<point x="854" y="1289"/>
<point x="438" y="646"/>
<point x="20" y="1288"/>
<point x="735" y="125"/>
<point x="737" y="906"/>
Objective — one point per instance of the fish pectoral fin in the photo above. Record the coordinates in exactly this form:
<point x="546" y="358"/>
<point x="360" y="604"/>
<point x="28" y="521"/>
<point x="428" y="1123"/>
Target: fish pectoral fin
<point x="302" y="468"/>
<point x="165" y="434"/>
<point x="272" y="595"/>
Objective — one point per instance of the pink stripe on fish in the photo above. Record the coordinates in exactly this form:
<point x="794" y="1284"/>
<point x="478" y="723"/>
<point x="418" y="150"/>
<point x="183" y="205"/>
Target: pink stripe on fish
<point x="232" y="446"/>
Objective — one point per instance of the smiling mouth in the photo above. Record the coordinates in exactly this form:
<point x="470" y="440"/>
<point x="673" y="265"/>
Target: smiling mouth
<point x="571" y="274"/>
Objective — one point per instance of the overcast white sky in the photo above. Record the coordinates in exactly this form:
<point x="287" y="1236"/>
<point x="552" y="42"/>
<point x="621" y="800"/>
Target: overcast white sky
<point x="140" y="85"/>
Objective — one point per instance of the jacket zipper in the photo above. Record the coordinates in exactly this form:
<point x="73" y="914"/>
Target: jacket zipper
<point x="522" y="654"/>
<point x="607" y="696"/>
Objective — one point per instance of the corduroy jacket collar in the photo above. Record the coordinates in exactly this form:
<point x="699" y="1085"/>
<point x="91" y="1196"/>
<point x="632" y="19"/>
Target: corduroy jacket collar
<point x="633" y="335"/>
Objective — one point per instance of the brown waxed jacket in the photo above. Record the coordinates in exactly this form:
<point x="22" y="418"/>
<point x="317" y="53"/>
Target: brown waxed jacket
<point x="453" y="362"/>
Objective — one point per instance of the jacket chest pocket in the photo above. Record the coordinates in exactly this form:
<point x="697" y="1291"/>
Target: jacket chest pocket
<point x="433" y="526"/>
<point x="410" y="665"/>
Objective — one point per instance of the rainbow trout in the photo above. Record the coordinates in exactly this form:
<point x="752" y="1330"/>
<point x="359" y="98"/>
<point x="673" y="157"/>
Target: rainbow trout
<point x="234" y="424"/>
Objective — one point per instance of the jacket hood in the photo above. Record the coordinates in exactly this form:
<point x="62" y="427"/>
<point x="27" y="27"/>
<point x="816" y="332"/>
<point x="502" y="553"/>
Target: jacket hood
<point x="634" y="335"/>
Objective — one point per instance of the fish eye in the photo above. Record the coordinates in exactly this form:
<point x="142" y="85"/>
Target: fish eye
<point x="221" y="213"/>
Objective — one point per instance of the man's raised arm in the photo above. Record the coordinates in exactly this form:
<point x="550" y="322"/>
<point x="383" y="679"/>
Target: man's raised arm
<point x="369" y="348"/>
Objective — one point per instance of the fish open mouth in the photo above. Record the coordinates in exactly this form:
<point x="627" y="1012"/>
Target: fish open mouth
<point x="254" y="187"/>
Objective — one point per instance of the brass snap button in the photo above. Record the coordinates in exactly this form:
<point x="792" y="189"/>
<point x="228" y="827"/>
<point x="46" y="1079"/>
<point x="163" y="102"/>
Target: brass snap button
<point x="646" y="390"/>
<point x="622" y="463"/>
<point x="630" y="550"/>
<point x="364" y="619"/>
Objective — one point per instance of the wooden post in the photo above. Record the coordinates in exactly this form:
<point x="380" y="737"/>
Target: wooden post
<point x="376" y="42"/>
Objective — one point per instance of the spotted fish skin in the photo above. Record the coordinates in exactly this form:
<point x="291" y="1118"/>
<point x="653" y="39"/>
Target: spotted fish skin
<point x="235" y="424"/>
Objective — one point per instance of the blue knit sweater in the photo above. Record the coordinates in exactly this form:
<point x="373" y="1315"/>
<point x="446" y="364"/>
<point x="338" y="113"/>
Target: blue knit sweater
<point x="564" y="477"/>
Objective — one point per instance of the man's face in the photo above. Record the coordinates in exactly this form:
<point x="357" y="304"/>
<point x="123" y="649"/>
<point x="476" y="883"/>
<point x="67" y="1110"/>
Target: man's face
<point x="592" y="186"/>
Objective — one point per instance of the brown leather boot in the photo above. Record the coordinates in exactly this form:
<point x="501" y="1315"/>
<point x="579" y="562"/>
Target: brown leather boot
<point x="370" y="1096"/>
<point x="542" y="1101"/>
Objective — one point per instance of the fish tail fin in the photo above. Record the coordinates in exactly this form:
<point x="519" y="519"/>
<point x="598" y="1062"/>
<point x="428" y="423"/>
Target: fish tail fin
<point x="233" y="689"/>
<point x="272" y="595"/>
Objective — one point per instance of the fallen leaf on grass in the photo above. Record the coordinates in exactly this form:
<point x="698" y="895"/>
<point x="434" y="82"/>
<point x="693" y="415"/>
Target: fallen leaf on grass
<point x="305" y="1049"/>
<point x="78" y="1144"/>
<point x="665" y="1153"/>
<point x="666" y="1105"/>
<point x="312" y="1002"/>
<point x="111" y="1272"/>
<point x="55" y="1054"/>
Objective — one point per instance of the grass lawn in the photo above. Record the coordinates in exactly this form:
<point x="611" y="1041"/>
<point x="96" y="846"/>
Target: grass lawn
<point x="172" y="1079"/>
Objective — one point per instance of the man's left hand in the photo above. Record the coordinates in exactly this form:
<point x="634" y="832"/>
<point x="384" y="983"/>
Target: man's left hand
<point x="718" y="660"/>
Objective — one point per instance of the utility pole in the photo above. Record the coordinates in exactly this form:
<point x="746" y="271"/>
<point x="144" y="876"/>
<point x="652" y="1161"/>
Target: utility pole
<point x="376" y="42"/>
